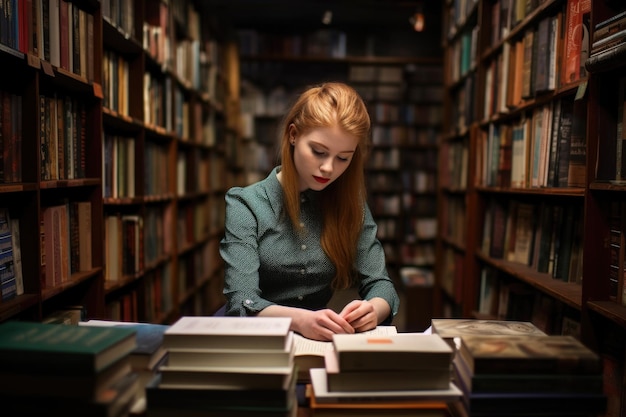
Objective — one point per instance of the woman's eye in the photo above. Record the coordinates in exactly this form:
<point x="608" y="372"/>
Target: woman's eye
<point x="343" y="159"/>
<point x="316" y="152"/>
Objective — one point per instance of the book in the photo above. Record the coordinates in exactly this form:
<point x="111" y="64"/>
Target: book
<point x="310" y="353"/>
<point x="249" y="357"/>
<point x="228" y="332"/>
<point x="528" y="383"/>
<point x="451" y="328"/>
<point x="160" y="396"/>
<point x="536" y="403"/>
<point x="381" y="409"/>
<point x="382" y="379"/>
<point x="63" y="384"/>
<point x="47" y="348"/>
<point x="508" y="354"/>
<point x="115" y="401"/>
<point x="400" y="351"/>
<point x="323" y="395"/>
<point x="149" y="350"/>
<point x="257" y="377"/>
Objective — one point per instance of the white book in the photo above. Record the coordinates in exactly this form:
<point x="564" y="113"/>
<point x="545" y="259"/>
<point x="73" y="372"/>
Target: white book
<point x="400" y="351"/>
<point x="258" y="377"/>
<point x="323" y="395"/>
<point x="249" y="357"/>
<point x="204" y="332"/>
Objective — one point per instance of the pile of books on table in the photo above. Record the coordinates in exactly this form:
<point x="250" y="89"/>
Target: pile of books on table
<point x="393" y="375"/>
<point x="226" y="367"/>
<point x="513" y="368"/>
<point x="69" y="370"/>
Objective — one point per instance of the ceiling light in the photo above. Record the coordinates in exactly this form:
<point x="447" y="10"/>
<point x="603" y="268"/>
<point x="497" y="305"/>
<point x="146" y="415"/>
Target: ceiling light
<point x="417" y="20"/>
<point x="327" y="17"/>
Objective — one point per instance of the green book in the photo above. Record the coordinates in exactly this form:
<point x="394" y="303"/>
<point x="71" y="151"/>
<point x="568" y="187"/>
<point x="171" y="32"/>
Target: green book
<point x="49" y="348"/>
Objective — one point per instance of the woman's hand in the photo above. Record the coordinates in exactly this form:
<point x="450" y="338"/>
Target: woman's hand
<point x="322" y="324"/>
<point x="365" y="315"/>
<point x="316" y="325"/>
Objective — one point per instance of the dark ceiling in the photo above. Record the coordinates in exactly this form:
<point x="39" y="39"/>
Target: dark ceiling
<point x="374" y="15"/>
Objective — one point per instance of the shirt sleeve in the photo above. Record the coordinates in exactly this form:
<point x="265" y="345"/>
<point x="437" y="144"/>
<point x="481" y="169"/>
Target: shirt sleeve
<point x="371" y="266"/>
<point x="239" y="250"/>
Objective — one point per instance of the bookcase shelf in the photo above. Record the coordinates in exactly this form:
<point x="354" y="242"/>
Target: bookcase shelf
<point x="98" y="128"/>
<point x="496" y="265"/>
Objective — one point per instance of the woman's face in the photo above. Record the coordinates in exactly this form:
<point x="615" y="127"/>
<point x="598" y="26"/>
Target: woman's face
<point x="321" y="155"/>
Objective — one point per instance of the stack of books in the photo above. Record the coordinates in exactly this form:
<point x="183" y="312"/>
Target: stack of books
<point x="401" y="374"/>
<point x="54" y="369"/>
<point x="528" y="376"/>
<point x="227" y="367"/>
<point x="148" y="355"/>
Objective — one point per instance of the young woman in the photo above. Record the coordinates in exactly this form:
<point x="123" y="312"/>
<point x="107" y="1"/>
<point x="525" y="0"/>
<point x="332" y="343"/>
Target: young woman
<point x="305" y="231"/>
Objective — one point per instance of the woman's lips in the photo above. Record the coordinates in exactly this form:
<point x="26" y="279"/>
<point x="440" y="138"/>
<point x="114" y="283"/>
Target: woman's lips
<point x="321" y="180"/>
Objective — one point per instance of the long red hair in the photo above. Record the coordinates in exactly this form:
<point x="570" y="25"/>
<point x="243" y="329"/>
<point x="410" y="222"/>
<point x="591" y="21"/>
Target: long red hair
<point x="342" y="202"/>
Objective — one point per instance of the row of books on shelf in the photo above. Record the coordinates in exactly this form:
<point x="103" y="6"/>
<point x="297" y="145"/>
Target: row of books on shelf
<point x="411" y="113"/>
<point x="59" y="32"/>
<point x="385" y="135"/>
<point x="545" y="149"/>
<point x="329" y="43"/>
<point x="11" y="279"/>
<point x="547" y="237"/>
<point x="66" y="241"/>
<point x="609" y="42"/>
<point x="232" y="366"/>
<point x="10" y="137"/>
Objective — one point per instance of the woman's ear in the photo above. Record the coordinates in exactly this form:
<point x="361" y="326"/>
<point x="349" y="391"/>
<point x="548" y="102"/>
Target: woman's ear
<point x="292" y="133"/>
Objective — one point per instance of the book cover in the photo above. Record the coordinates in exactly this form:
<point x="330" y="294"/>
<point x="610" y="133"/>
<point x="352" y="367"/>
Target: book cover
<point x="149" y="350"/>
<point x="400" y="351"/>
<point x="495" y="354"/>
<point x="38" y="347"/>
<point x="323" y="395"/>
<point x="450" y="328"/>
<point x="382" y="379"/>
<point x="228" y="332"/>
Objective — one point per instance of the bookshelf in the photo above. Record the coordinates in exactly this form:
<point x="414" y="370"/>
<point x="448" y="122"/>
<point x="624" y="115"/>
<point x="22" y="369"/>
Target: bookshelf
<point x="403" y="94"/>
<point x="117" y="183"/>
<point x="543" y="179"/>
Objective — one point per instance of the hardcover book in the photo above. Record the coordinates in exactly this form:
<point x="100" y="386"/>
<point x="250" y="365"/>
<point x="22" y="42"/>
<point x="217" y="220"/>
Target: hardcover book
<point x="323" y="395"/>
<point x="310" y="353"/>
<point x="501" y="354"/>
<point x="400" y="351"/>
<point x="269" y="377"/>
<point x="228" y="332"/>
<point x="160" y="396"/>
<point x="382" y="379"/>
<point x="450" y="328"/>
<point x="249" y="357"/>
<point x="485" y="383"/>
<point x="47" y="348"/>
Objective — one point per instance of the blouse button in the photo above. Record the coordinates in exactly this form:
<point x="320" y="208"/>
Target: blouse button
<point x="302" y="271"/>
<point x="248" y="302"/>
<point x="303" y="247"/>
<point x="301" y="224"/>
<point x="300" y="297"/>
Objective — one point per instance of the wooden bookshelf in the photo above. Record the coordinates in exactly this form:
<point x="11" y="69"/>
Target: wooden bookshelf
<point x="532" y="227"/>
<point x="124" y="107"/>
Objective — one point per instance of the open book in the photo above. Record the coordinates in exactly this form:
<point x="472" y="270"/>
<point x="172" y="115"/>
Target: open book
<point x="310" y="353"/>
